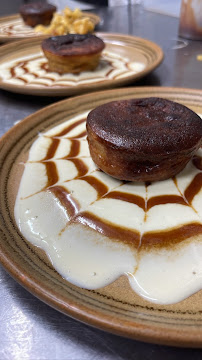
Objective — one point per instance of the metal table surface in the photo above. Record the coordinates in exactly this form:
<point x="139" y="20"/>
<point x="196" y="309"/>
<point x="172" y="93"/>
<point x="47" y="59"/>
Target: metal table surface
<point x="30" y="329"/>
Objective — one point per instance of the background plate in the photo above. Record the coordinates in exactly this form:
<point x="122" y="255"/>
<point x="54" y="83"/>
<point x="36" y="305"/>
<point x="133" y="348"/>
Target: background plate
<point x="131" y="57"/>
<point x="115" y="308"/>
<point x="12" y="27"/>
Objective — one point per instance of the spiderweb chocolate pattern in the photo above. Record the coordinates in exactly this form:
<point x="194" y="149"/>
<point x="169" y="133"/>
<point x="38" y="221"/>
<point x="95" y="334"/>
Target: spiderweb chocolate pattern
<point x="147" y="211"/>
<point x="32" y="70"/>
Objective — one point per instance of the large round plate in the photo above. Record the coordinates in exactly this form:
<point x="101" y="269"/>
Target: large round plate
<point x="23" y="67"/>
<point x="12" y="27"/>
<point x="114" y="308"/>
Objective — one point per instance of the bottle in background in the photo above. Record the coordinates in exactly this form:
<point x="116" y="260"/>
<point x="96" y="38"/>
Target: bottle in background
<point x="190" y="26"/>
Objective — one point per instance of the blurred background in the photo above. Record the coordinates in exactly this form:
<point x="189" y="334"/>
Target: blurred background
<point x="171" y="7"/>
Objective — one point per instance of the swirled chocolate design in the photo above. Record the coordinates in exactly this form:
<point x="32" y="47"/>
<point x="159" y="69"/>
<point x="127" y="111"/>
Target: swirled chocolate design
<point x="95" y="228"/>
<point x="17" y="28"/>
<point x="32" y="70"/>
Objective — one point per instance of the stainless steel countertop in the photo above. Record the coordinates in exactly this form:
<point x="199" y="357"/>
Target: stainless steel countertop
<point x="30" y="329"/>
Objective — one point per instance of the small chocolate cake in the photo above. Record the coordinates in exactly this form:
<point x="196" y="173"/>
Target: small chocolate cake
<point x="73" y="53"/>
<point x="37" y="13"/>
<point x="146" y="139"/>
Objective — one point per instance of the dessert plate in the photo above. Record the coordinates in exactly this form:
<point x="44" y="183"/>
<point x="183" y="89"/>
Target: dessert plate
<point x="12" y="27"/>
<point x="24" y="68"/>
<point x="114" y="308"/>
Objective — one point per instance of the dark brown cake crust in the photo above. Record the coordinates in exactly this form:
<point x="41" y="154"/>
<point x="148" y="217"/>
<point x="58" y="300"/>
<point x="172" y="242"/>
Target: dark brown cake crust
<point x="73" y="45"/>
<point x="145" y="139"/>
<point x="37" y="13"/>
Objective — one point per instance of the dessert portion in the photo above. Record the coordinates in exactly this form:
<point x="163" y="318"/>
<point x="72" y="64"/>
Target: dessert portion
<point x="37" y="13"/>
<point x="32" y="70"/>
<point x="146" y="139"/>
<point x="73" y="53"/>
<point x="95" y="228"/>
<point x="68" y="22"/>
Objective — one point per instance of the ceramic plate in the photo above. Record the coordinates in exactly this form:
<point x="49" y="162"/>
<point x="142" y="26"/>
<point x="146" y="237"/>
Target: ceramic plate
<point x="24" y="69"/>
<point x="12" y="27"/>
<point x="114" y="308"/>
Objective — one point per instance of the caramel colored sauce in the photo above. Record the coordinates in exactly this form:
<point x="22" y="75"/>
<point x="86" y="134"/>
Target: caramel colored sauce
<point x="81" y="167"/>
<point x="52" y="174"/>
<point x="10" y="30"/>
<point x="51" y="171"/>
<point x="22" y="79"/>
<point x="74" y="150"/>
<point x="67" y="130"/>
<point x="12" y="71"/>
<point x="52" y="149"/>
<point x="108" y="229"/>
<point x="194" y="188"/>
<point x="171" y="237"/>
<point x="67" y="200"/>
<point x="79" y="136"/>
<point x="165" y="199"/>
<point x="147" y="184"/>
<point x="134" y="199"/>
<point x="97" y="185"/>
<point x="109" y="72"/>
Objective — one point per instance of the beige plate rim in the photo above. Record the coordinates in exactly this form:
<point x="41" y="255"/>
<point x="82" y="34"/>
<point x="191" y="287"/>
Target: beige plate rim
<point x="186" y="335"/>
<point x="4" y="19"/>
<point x="8" y="49"/>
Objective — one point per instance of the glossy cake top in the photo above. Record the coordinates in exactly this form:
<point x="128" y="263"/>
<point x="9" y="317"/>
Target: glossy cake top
<point x="73" y="44"/>
<point x="146" y="125"/>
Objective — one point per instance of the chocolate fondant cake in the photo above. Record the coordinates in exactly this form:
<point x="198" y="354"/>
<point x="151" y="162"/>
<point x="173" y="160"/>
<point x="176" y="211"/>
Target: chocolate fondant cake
<point x="146" y="139"/>
<point x="73" y="53"/>
<point x="37" y="13"/>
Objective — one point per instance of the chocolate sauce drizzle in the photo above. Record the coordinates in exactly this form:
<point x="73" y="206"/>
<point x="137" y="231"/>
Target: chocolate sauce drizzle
<point x="66" y="199"/>
<point x="65" y="79"/>
<point x="163" y="238"/>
